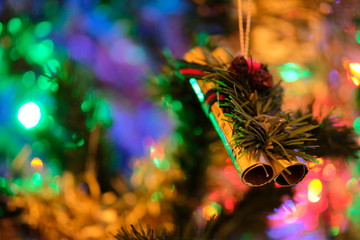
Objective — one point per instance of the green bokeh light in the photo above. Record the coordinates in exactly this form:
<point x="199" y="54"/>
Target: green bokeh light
<point x="23" y="42"/>
<point x="216" y="206"/>
<point x="28" y="79"/>
<point x="51" y="67"/>
<point x="103" y="113"/>
<point x="163" y="165"/>
<point x="177" y="106"/>
<point x="42" y="29"/>
<point x="291" y="72"/>
<point x="334" y="231"/>
<point x="44" y="83"/>
<point x="357" y="125"/>
<point x="86" y="106"/>
<point x="37" y="179"/>
<point x="80" y="143"/>
<point x="357" y="36"/>
<point x="354" y="210"/>
<point x="54" y="87"/>
<point x="179" y="138"/>
<point x="29" y="115"/>
<point x="14" y="25"/>
<point x="39" y="52"/>
<point x="156" y="196"/>
<point x="1" y="27"/>
<point x="2" y="182"/>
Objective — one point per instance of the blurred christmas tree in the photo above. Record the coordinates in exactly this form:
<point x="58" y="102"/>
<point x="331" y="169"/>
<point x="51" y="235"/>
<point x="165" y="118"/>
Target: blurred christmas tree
<point x="87" y="153"/>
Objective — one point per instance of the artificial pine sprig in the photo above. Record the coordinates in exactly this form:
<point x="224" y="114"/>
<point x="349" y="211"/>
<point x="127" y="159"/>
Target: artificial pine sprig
<point x="334" y="138"/>
<point x="259" y="125"/>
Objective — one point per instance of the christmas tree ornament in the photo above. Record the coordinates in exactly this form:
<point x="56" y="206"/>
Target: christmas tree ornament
<point x="243" y="104"/>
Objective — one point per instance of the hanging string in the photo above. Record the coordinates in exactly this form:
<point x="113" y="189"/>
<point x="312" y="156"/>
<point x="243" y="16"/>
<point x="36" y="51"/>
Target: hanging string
<point x="244" y="34"/>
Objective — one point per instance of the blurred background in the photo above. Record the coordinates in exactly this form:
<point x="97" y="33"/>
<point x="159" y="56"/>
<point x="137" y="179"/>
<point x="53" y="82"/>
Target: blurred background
<point x="85" y="149"/>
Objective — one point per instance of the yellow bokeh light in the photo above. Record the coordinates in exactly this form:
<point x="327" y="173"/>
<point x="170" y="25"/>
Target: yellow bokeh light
<point x="209" y="212"/>
<point x="314" y="190"/>
<point x="36" y="163"/>
<point x="355" y="80"/>
<point x="354" y="69"/>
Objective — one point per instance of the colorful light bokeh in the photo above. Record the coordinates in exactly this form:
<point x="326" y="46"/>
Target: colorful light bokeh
<point x="101" y="38"/>
<point x="319" y="200"/>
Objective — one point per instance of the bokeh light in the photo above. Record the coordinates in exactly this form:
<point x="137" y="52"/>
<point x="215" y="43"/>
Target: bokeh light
<point x="29" y="115"/>
<point x="291" y="72"/>
<point x="211" y="210"/>
<point x="334" y="231"/>
<point x="314" y="190"/>
<point x="357" y="36"/>
<point x="36" y="163"/>
<point x="14" y="25"/>
<point x="37" y="179"/>
<point x="28" y="79"/>
<point x="329" y="172"/>
<point x="355" y="68"/>
<point x="357" y="125"/>
<point x="42" y="29"/>
<point x="354" y="73"/>
<point x="112" y="50"/>
<point x="40" y="52"/>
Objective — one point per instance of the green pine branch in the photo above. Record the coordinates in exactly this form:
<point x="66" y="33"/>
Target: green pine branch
<point x="259" y="125"/>
<point x="333" y="138"/>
